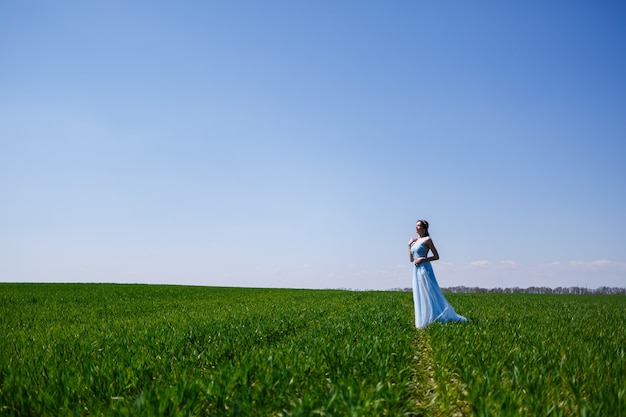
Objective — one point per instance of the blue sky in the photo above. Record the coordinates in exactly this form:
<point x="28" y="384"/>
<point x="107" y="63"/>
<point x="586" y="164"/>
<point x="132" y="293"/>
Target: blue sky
<point x="295" y="144"/>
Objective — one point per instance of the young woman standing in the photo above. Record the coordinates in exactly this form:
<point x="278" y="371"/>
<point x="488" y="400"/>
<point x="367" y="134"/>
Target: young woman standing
<point x="430" y="303"/>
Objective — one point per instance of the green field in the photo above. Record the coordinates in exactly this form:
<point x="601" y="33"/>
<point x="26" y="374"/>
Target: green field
<point x="100" y="349"/>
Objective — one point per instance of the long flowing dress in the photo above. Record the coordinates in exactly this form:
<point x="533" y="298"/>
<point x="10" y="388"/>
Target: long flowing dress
<point x="430" y="304"/>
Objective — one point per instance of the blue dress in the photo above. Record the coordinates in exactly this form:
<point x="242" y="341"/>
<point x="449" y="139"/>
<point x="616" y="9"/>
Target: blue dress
<point x="430" y="304"/>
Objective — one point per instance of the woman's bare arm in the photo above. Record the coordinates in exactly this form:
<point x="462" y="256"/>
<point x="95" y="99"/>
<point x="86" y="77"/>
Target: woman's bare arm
<point x="410" y="254"/>
<point x="433" y="249"/>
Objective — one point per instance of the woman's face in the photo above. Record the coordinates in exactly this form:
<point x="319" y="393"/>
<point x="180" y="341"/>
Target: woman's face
<point x="419" y="228"/>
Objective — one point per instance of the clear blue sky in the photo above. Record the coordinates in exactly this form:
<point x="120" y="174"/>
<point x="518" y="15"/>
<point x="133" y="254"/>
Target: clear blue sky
<point x="295" y="144"/>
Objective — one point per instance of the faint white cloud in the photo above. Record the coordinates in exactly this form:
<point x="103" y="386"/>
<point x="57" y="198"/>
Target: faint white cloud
<point x="484" y="263"/>
<point x="600" y="263"/>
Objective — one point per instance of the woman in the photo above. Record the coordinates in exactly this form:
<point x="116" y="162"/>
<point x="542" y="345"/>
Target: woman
<point x="430" y="304"/>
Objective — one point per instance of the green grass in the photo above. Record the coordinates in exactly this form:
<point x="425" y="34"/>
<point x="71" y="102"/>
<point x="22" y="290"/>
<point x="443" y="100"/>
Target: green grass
<point x="534" y="355"/>
<point x="163" y="350"/>
<point x="100" y="349"/>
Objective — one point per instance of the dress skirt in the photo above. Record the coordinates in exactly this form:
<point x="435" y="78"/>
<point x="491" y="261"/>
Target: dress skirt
<point x="430" y="303"/>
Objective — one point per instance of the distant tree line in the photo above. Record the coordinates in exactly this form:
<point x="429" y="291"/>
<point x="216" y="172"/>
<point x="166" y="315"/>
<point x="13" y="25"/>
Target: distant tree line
<point x="538" y="290"/>
<point x="533" y="290"/>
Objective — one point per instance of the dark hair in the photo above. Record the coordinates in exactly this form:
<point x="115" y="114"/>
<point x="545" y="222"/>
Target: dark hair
<point x="425" y="225"/>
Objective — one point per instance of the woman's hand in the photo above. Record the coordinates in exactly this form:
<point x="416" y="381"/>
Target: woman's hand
<point x="413" y="239"/>
<point x="419" y="261"/>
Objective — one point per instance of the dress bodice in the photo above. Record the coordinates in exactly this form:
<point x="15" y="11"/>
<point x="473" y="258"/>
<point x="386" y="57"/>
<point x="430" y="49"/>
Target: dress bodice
<point x="419" y="250"/>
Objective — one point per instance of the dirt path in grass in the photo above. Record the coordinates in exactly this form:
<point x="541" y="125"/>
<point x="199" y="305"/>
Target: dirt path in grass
<point x="426" y="392"/>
